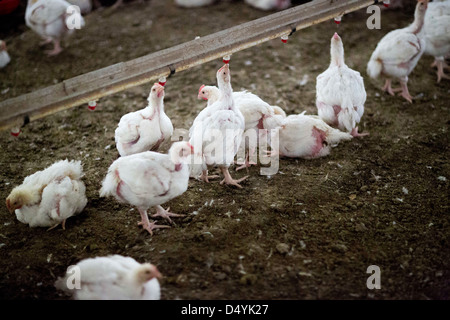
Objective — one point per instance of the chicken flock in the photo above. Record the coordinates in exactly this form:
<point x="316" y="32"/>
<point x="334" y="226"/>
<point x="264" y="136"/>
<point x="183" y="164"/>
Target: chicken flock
<point x="145" y="178"/>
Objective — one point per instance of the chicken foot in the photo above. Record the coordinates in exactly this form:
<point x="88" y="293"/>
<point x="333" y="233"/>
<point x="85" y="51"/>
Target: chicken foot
<point x="161" y="212"/>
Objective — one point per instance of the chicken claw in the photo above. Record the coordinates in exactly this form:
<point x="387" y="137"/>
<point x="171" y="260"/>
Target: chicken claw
<point x="229" y="180"/>
<point x="161" y="212"/>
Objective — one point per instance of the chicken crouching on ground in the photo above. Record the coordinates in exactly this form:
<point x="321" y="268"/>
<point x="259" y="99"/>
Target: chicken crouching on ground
<point x="111" y="278"/>
<point x="49" y="197"/>
<point x="304" y="136"/>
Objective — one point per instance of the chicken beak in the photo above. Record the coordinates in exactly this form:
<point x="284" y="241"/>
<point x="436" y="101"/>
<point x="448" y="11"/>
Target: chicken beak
<point x="225" y="67"/>
<point x="11" y="209"/>
<point x="160" y="91"/>
<point x="156" y="273"/>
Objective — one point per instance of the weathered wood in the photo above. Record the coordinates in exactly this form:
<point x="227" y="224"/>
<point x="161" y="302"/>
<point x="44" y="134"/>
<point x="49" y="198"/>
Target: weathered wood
<point x="106" y="81"/>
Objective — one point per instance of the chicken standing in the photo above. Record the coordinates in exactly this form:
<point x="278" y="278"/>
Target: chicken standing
<point x="216" y="133"/>
<point x="252" y="107"/>
<point x="4" y="56"/>
<point x="145" y="129"/>
<point x="113" y="277"/>
<point x="437" y="35"/>
<point x="304" y="136"/>
<point x="269" y="4"/>
<point x="149" y="179"/>
<point x="51" y="20"/>
<point x="340" y="92"/>
<point x="48" y="197"/>
<point x="398" y="52"/>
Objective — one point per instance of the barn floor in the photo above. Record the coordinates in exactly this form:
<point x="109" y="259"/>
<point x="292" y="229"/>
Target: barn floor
<point x="308" y="232"/>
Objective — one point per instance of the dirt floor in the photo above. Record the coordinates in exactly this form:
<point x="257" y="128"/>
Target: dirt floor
<point x="308" y="232"/>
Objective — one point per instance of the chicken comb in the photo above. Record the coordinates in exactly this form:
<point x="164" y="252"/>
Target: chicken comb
<point x="201" y="88"/>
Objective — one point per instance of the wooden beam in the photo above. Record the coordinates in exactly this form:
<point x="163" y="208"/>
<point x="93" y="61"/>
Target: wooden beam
<point x="109" y="80"/>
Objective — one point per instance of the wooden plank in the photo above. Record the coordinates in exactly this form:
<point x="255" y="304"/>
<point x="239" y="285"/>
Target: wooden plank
<point x="109" y="80"/>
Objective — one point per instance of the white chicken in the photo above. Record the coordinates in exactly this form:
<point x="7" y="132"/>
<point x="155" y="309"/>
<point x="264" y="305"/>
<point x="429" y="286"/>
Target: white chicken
<point x="252" y="107"/>
<point x="269" y="4"/>
<point x="193" y="3"/>
<point x="304" y="136"/>
<point x="48" y="197"/>
<point x="4" y="56"/>
<point x="437" y="35"/>
<point x="149" y="179"/>
<point x="52" y="20"/>
<point x="113" y="277"/>
<point x="340" y="92"/>
<point x="146" y="129"/>
<point x="398" y="52"/>
<point x="216" y="133"/>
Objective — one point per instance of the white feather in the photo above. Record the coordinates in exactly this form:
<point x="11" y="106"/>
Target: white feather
<point x="110" y="278"/>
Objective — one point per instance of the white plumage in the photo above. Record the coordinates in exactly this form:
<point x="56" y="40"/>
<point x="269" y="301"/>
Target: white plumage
<point x="269" y="4"/>
<point x="48" y="197"/>
<point x="437" y="34"/>
<point x="4" y="56"/>
<point x="113" y="277"/>
<point x="398" y="52"/>
<point x="193" y="3"/>
<point x="216" y="133"/>
<point x="145" y="129"/>
<point x="252" y="107"/>
<point x="50" y="20"/>
<point x="149" y="179"/>
<point x="304" y="136"/>
<point x="340" y="92"/>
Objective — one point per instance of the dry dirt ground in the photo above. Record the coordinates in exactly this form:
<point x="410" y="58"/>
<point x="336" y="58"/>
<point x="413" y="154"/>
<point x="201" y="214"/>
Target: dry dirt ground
<point x="308" y="232"/>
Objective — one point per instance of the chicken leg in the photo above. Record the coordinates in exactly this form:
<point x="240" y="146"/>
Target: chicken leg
<point x="229" y="180"/>
<point x="356" y="134"/>
<point x="247" y="163"/>
<point x="146" y="224"/>
<point x="387" y="87"/>
<point x="45" y="42"/>
<point x="204" y="176"/>
<point x="161" y="212"/>
<point x="441" y="65"/>
<point x="405" y="93"/>
<point x="63" y="224"/>
<point x="56" y="48"/>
